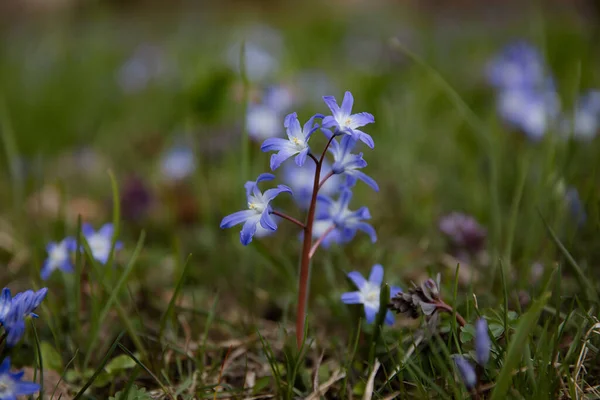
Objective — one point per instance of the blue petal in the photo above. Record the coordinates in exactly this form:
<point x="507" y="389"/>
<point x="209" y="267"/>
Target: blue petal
<point x="376" y="275"/>
<point x="333" y="106"/>
<point x="5" y="366"/>
<point x="347" y="104"/>
<point x="329" y="122"/>
<point x="70" y="243"/>
<point x="274" y="144"/>
<point x="15" y="332"/>
<point x="394" y="290"/>
<point x="87" y="229"/>
<point x="25" y="388"/>
<point x="278" y="158"/>
<point x="46" y="270"/>
<point x="366" y="179"/>
<point x="364" y="137"/>
<point x="466" y="370"/>
<point x="289" y="119"/>
<point x="357" y="278"/>
<point x="368" y="229"/>
<point x="301" y="157"/>
<point x="294" y="130"/>
<point x="352" y="298"/>
<point x="68" y="267"/>
<point x="370" y="313"/>
<point x="347" y="144"/>
<point x="272" y="193"/>
<point x="267" y="222"/>
<point x="236" y="218"/>
<point x="389" y="318"/>
<point x="345" y="198"/>
<point x="5" y="303"/>
<point x="107" y="230"/>
<point x="310" y="126"/>
<point x="362" y="119"/>
<point x="249" y="229"/>
<point x="50" y="247"/>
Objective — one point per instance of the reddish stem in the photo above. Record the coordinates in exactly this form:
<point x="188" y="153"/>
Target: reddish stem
<point x="329" y="175"/>
<point x="291" y="219"/>
<point x="315" y="246"/>
<point x="306" y="246"/>
<point x="445" y="307"/>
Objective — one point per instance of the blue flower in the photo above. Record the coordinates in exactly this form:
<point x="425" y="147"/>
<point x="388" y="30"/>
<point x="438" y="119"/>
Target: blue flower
<point x="575" y="206"/>
<point x="13" y="312"/>
<point x="518" y="65"/>
<point x="259" y="209"/>
<point x="279" y="98"/>
<point x="586" y="117"/>
<point x="11" y="384"/>
<point x="348" y="222"/>
<point x="531" y="111"/>
<point x="100" y="241"/>
<point x="301" y="181"/>
<point x="466" y="371"/>
<point x="263" y="122"/>
<point x="348" y="163"/>
<point x="59" y="257"/>
<point x="482" y="342"/>
<point x="178" y="163"/>
<point x="295" y="145"/>
<point x="369" y="292"/>
<point x="345" y="122"/>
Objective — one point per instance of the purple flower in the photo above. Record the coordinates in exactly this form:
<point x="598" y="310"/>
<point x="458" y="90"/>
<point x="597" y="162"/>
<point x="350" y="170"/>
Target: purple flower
<point x="301" y="181"/>
<point x="279" y="98"/>
<point x="295" y="145"/>
<point x="518" y="65"/>
<point x="348" y="222"/>
<point x="259" y="209"/>
<point x="178" y="163"/>
<point x="482" y="342"/>
<point x="345" y="122"/>
<point x="586" y="117"/>
<point x="348" y="163"/>
<point x="466" y="371"/>
<point x="463" y="231"/>
<point x="11" y="384"/>
<point x="369" y="292"/>
<point x="100" y="241"/>
<point x="59" y="257"/>
<point x="14" y="311"/>
<point x="263" y="122"/>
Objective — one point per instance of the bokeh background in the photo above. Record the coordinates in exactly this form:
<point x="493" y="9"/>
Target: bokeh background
<point x="154" y="92"/>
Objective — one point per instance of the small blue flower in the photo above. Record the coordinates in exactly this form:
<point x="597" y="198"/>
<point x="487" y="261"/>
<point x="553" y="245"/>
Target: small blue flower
<point x="100" y="241"/>
<point x="295" y="145"/>
<point x="369" y="292"/>
<point x="345" y="122"/>
<point x="348" y="222"/>
<point x="178" y="163"/>
<point x="263" y="122"/>
<point x="518" y="65"/>
<point x="59" y="257"/>
<point x="13" y="312"/>
<point x="279" y="98"/>
<point x="586" y="117"/>
<point x="259" y="209"/>
<point x="347" y="163"/>
<point x="466" y="371"/>
<point x="575" y="206"/>
<point x="531" y="111"/>
<point x="482" y="342"/>
<point x="301" y="181"/>
<point x="11" y="384"/>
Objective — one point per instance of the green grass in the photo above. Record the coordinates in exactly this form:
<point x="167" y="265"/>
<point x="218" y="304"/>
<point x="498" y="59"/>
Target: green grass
<point x="185" y="311"/>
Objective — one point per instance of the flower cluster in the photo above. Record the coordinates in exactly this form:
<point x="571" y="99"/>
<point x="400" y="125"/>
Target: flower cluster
<point x="528" y="100"/>
<point x="15" y="310"/>
<point x="12" y="385"/>
<point x="483" y="345"/>
<point x="59" y="254"/>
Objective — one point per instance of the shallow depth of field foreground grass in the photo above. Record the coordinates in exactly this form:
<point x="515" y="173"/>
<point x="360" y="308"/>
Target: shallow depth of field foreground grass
<point x="486" y="216"/>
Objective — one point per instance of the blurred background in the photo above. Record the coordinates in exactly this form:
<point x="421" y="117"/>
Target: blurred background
<point x="176" y="97"/>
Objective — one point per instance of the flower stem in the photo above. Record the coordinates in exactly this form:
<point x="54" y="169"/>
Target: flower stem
<point x="329" y="175"/>
<point x="315" y="246"/>
<point x="291" y="219"/>
<point x="306" y="251"/>
<point x="445" y="307"/>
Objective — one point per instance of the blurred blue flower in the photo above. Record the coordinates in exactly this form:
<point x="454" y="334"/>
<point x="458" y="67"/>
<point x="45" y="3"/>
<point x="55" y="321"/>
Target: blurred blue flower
<point x="279" y="98"/>
<point x="11" y="384"/>
<point x="100" y="241"/>
<point x="529" y="110"/>
<point x="301" y="181"/>
<point x="59" y="257"/>
<point x="14" y="311"/>
<point x="369" y="292"/>
<point x="147" y="63"/>
<point x="466" y="371"/>
<point x="518" y="65"/>
<point x="259" y="209"/>
<point x="585" y="121"/>
<point x="345" y="122"/>
<point x="483" y="343"/>
<point x="575" y="206"/>
<point x="348" y="222"/>
<point x="464" y="232"/>
<point x="295" y="145"/>
<point x="178" y="163"/>
<point x="262" y="48"/>
<point x="263" y="122"/>
<point x="347" y="163"/>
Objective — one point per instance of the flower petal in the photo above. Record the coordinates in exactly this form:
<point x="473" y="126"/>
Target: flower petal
<point x="278" y="158"/>
<point x="352" y="298"/>
<point x="376" y="275"/>
<point x="366" y="179"/>
<point x="107" y="230"/>
<point x="46" y="270"/>
<point x="364" y="137"/>
<point x="274" y="144"/>
<point x="357" y="278"/>
<point x="345" y="198"/>
<point x="236" y="218"/>
<point x="347" y="104"/>
<point x="347" y="144"/>
<point x="370" y="313"/>
<point x="301" y="157"/>
<point x="87" y="229"/>
<point x="361" y="119"/>
<point x="267" y="222"/>
<point x="389" y="317"/>
<point x="333" y="106"/>
<point x="292" y="125"/>
<point x="272" y="193"/>
<point x="5" y="366"/>
<point x="368" y="229"/>
<point x="249" y="229"/>
<point x="25" y="388"/>
<point x="394" y="290"/>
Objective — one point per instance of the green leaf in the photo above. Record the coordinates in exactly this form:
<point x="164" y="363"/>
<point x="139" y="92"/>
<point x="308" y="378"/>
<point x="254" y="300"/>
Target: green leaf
<point x="135" y="393"/>
<point x="51" y="359"/>
<point x="467" y="333"/>
<point x="517" y="346"/>
<point x="119" y="364"/>
<point x="496" y="329"/>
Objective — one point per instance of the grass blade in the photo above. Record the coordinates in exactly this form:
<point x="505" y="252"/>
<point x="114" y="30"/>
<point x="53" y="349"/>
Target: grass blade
<point x="171" y="306"/>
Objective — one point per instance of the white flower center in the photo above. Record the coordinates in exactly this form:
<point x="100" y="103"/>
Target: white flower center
<point x="99" y="245"/>
<point x="370" y="294"/>
<point x="348" y="122"/>
<point x="58" y="255"/>
<point x="6" y="385"/>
